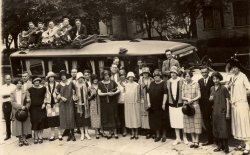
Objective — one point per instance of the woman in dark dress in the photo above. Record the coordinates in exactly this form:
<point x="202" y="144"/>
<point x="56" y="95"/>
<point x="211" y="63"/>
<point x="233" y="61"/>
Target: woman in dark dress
<point x="82" y="116"/>
<point x="107" y="90"/>
<point x="37" y="109"/>
<point x="221" y="112"/>
<point x="65" y="91"/>
<point x="157" y="97"/>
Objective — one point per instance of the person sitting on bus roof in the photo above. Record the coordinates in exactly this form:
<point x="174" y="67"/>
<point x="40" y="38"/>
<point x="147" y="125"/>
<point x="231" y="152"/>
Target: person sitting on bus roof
<point x="26" y="36"/>
<point x="169" y="63"/>
<point x="49" y="35"/>
<point x="79" y="31"/>
<point x="63" y="31"/>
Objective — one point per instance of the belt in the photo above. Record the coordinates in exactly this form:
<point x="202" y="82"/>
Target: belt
<point x="176" y="105"/>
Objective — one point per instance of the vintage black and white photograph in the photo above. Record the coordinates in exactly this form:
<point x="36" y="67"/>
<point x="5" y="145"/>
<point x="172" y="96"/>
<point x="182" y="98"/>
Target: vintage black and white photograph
<point x="125" y="77"/>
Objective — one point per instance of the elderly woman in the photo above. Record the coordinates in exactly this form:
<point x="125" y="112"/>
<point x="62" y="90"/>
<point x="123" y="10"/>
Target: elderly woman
<point x="174" y="86"/>
<point x="107" y="91"/>
<point x="52" y="106"/>
<point x="20" y="100"/>
<point x="132" y="105"/>
<point x="239" y="85"/>
<point x="144" y="83"/>
<point x="37" y="109"/>
<point x="82" y="116"/>
<point x="65" y="90"/>
<point x="190" y="95"/>
<point x="95" y="110"/>
<point x="157" y="97"/>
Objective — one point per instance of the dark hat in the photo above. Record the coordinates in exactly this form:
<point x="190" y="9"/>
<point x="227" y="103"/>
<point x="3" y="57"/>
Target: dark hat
<point x="218" y="75"/>
<point x="21" y="115"/>
<point x="157" y="72"/>
<point x="188" y="110"/>
<point x="62" y="72"/>
<point x="234" y="63"/>
<point x="36" y="78"/>
<point x="94" y="77"/>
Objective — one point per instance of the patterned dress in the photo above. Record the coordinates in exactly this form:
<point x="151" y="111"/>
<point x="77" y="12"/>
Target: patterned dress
<point x="52" y="106"/>
<point x="66" y="109"/>
<point x="132" y="105"/>
<point x="144" y="85"/>
<point x="192" y="124"/>
<point x="95" y="110"/>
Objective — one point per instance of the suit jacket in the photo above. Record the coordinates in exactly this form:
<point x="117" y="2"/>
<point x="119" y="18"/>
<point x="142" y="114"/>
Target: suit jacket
<point x="205" y="92"/>
<point x="166" y="67"/>
<point x="73" y="31"/>
<point x="25" y="101"/>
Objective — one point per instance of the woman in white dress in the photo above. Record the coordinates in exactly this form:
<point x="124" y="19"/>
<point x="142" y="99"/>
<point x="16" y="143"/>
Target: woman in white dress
<point x="238" y="86"/>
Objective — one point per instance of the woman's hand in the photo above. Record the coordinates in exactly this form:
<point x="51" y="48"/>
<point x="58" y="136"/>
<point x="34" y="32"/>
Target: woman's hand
<point x="23" y="107"/>
<point x="227" y="115"/>
<point x="211" y="98"/>
<point x="43" y="106"/>
<point x="149" y="104"/>
<point x="63" y="99"/>
<point x="163" y="106"/>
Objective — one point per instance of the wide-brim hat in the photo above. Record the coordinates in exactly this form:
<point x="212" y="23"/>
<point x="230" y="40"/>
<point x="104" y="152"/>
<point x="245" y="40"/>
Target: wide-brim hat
<point x="62" y="72"/>
<point x="157" y="72"/>
<point x="79" y="75"/>
<point x="122" y="72"/>
<point x="130" y="74"/>
<point x="188" y="110"/>
<point x="218" y="75"/>
<point x="50" y="74"/>
<point x="21" y="115"/>
<point x="145" y="70"/>
<point x="36" y="78"/>
<point x="234" y="63"/>
<point x="174" y="69"/>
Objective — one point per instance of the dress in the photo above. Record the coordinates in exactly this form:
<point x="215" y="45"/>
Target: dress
<point x="240" y="108"/>
<point x="121" y="111"/>
<point x="82" y="116"/>
<point x="66" y="109"/>
<point x="52" y="105"/>
<point x="38" y="116"/>
<point x="95" y="110"/>
<point x="144" y="85"/>
<point x="220" y="128"/>
<point x="156" y="92"/>
<point x="192" y="124"/>
<point x="109" y="114"/>
<point x="132" y="105"/>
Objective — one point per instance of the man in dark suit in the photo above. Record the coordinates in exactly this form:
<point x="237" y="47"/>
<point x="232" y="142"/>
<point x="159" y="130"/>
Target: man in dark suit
<point x="206" y="107"/>
<point x="79" y="30"/>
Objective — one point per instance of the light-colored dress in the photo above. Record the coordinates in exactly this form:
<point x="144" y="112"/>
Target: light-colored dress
<point x="132" y="105"/>
<point x="144" y="85"/>
<point x="192" y="124"/>
<point x="95" y="110"/>
<point x="240" y="107"/>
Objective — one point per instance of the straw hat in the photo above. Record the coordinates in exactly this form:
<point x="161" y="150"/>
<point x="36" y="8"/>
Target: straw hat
<point x="79" y="75"/>
<point x="145" y="70"/>
<point x="130" y="74"/>
<point x="50" y="74"/>
<point x="174" y="69"/>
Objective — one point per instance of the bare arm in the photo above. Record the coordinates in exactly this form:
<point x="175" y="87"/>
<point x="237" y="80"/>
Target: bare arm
<point x="100" y="93"/>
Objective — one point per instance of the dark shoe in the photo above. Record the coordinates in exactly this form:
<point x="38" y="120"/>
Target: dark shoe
<point x="40" y="141"/>
<point x="163" y="139"/>
<point x="73" y="138"/>
<point x="69" y="138"/>
<point x="157" y="139"/>
<point x="226" y="150"/>
<point x="20" y="143"/>
<point x="136" y="137"/>
<point x="124" y="134"/>
<point x="66" y="133"/>
<point x="97" y="137"/>
<point x="192" y="145"/>
<point x="148" y="136"/>
<point x="28" y="136"/>
<point x="207" y="143"/>
<point x="109" y="136"/>
<point x="196" y="145"/>
<point x="25" y="142"/>
<point x="60" y="138"/>
<point x="240" y="148"/>
<point x="35" y="141"/>
<point x="52" y="139"/>
<point x="116" y="137"/>
<point x="78" y="131"/>
<point x="7" y="137"/>
<point x="153" y="136"/>
<point x="132" y="137"/>
<point x="217" y="149"/>
<point x="246" y="152"/>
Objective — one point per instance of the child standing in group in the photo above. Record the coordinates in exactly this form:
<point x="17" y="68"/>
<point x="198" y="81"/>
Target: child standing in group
<point x="220" y="98"/>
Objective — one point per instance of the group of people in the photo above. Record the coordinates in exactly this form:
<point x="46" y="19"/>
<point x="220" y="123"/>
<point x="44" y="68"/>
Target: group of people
<point x="61" y="34"/>
<point x="155" y="102"/>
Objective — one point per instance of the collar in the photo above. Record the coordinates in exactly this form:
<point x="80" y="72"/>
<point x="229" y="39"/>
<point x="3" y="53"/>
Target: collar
<point x="192" y="82"/>
<point x="173" y="80"/>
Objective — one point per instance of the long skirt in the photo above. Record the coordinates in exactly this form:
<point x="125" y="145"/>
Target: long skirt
<point x="95" y="114"/>
<point x="66" y="114"/>
<point x="53" y="115"/>
<point x="241" y="121"/>
<point x="21" y="128"/>
<point x="132" y="115"/>
<point x="144" y="116"/>
<point x="176" y="117"/>
<point x="80" y="119"/>
<point x="38" y="118"/>
<point x="193" y="124"/>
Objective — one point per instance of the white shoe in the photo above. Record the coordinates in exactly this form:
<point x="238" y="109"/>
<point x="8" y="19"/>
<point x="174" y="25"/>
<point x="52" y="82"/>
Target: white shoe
<point x="82" y="137"/>
<point x="176" y="142"/>
<point x="87" y="136"/>
<point x="186" y="141"/>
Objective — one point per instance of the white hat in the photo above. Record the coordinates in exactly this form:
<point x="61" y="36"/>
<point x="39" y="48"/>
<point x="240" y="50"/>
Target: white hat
<point x="50" y="74"/>
<point x="174" y="69"/>
<point x="79" y="75"/>
<point x="130" y="74"/>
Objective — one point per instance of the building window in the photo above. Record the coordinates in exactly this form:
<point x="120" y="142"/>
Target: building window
<point x="241" y="13"/>
<point x="208" y="17"/>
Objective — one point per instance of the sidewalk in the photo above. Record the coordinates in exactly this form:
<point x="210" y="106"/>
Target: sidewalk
<point x="122" y="146"/>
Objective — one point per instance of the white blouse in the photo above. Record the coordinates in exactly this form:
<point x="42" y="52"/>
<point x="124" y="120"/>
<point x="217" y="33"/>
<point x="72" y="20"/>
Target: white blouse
<point x="19" y="97"/>
<point x="174" y="86"/>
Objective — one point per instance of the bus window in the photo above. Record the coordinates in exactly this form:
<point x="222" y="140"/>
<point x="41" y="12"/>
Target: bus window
<point x="58" y="65"/>
<point x="35" y="67"/>
<point x="17" y="66"/>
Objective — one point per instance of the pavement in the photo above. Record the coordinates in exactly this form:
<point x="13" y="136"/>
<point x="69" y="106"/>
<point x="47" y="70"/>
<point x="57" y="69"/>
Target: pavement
<point x="121" y="146"/>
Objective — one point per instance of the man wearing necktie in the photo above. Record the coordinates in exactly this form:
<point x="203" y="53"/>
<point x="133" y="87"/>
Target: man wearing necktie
<point x="114" y="73"/>
<point x="6" y="90"/>
<point x="170" y="62"/>
<point x="205" y="84"/>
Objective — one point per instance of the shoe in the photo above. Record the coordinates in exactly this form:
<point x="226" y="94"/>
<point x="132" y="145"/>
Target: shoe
<point x="246" y="152"/>
<point x="196" y="145"/>
<point x="226" y="150"/>
<point x="157" y="139"/>
<point x="82" y="137"/>
<point x="148" y="136"/>
<point x="60" y="138"/>
<point x="35" y="141"/>
<point x="124" y="134"/>
<point x="97" y="137"/>
<point x="69" y="138"/>
<point x="73" y="138"/>
<point x="28" y="136"/>
<point x="240" y="148"/>
<point x="207" y="143"/>
<point x="7" y="137"/>
<point x="217" y="149"/>
<point x="40" y="141"/>
<point x="25" y="142"/>
<point x="20" y="143"/>
<point x="176" y="142"/>
<point x="87" y="136"/>
<point x="136" y="137"/>
<point x="52" y="138"/>
<point x="163" y="139"/>
<point x="109" y="136"/>
<point x="192" y="145"/>
<point x="186" y="141"/>
<point x="132" y="137"/>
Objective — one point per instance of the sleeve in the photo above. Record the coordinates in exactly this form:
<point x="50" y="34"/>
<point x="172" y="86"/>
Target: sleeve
<point x="165" y="88"/>
<point x="211" y="90"/>
<point x="27" y="100"/>
<point x="163" y="66"/>
<point x="226" y="92"/>
<point x="148" y="90"/>
<point x="177" y="64"/>
<point x="58" y="88"/>
<point x="246" y="82"/>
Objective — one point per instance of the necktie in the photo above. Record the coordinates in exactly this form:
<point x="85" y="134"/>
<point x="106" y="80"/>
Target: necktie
<point x="205" y="82"/>
<point x="169" y="64"/>
<point x="82" y="97"/>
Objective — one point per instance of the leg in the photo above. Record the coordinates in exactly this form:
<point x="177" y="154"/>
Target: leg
<point x="72" y="135"/>
<point x="87" y="133"/>
<point x="185" y="138"/>
<point x="82" y="133"/>
<point x="35" y="136"/>
<point x="136" y="133"/>
<point x="164" y="135"/>
<point x="132" y="134"/>
<point x="157" y="136"/>
<point x="52" y="137"/>
<point x="178" y="137"/>
<point x="59" y="133"/>
<point x="7" y="108"/>
<point x="219" y="145"/>
<point x="196" y="140"/>
<point x="97" y="134"/>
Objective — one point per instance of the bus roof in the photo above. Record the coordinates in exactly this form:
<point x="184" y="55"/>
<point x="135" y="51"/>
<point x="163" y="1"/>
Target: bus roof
<point x="111" y="48"/>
